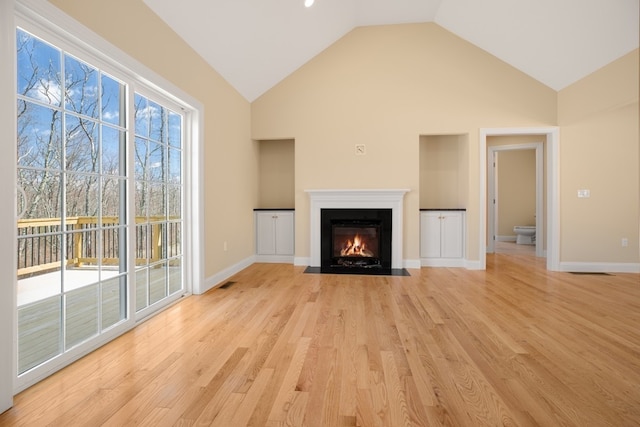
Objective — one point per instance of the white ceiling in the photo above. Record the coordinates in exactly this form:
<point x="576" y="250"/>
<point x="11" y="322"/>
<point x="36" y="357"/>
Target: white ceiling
<point x="254" y="44"/>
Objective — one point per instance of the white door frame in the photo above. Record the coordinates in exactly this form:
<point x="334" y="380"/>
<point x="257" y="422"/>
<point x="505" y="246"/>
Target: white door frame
<point x="552" y="135"/>
<point x="493" y="207"/>
<point x="8" y="229"/>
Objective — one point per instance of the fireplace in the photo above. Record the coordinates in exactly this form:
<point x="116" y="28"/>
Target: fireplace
<point x="363" y="203"/>
<point x="355" y="239"/>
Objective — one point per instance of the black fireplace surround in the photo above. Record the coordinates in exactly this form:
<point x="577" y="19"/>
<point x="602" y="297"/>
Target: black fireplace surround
<point x="355" y="241"/>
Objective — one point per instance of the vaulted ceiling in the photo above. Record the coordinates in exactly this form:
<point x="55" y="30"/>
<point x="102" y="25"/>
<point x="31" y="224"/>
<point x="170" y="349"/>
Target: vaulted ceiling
<point x="254" y="44"/>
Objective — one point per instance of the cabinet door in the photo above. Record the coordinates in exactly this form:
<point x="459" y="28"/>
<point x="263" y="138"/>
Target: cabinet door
<point x="265" y="233"/>
<point x="430" y="234"/>
<point x="284" y="233"/>
<point x="451" y="240"/>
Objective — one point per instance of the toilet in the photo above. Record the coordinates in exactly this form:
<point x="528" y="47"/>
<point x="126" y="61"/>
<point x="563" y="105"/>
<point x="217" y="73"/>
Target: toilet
<point x="525" y="234"/>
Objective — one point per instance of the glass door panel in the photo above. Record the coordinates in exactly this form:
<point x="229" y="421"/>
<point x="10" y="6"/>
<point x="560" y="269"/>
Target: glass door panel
<point x="71" y="145"/>
<point x="112" y="300"/>
<point x="81" y="314"/>
<point x="158" y="202"/>
<point x="157" y="282"/>
<point x="39" y="332"/>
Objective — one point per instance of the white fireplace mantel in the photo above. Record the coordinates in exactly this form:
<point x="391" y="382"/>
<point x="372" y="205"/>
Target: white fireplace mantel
<point x="358" y="199"/>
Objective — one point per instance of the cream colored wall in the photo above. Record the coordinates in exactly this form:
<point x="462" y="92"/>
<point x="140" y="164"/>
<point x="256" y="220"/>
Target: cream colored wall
<point x="516" y="190"/>
<point x="230" y="157"/>
<point x="276" y="174"/>
<point x="384" y="86"/>
<point x="599" y="151"/>
<point x="444" y="179"/>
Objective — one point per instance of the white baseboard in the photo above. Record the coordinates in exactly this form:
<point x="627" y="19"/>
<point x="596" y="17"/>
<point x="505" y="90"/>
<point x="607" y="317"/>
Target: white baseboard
<point x="472" y="265"/>
<point x="275" y="259"/>
<point x="412" y="263"/>
<point x="300" y="260"/>
<point x="442" y="262"/>
<point x="600" y="267"/>
<point x="218" y="278"/>
<point x="506" y="238"/>
<point x="451" y="262"/>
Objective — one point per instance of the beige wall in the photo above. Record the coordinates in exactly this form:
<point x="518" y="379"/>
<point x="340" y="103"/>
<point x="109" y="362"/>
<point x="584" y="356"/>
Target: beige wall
<point x="230" y="157"/>
<point x="384" y="86"/>
<point x="516" y="190"/>
<point x="276" y="174"/>
<point x="599" y="151"/>
<point x="444" y="178"/>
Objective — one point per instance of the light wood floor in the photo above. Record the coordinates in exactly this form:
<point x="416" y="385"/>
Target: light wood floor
<point x="513" y="345"/>
<point x="514" y="249"/>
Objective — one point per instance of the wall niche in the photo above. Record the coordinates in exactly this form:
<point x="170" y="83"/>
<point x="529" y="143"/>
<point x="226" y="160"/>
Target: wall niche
<point x="276" y="174"/>
<point x="444" y="171"/>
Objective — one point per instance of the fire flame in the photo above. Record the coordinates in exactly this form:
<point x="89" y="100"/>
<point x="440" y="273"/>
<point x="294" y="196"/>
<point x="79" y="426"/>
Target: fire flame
<point x="357" y="247"/>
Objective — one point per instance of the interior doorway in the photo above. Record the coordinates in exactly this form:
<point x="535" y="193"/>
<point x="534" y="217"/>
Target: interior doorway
<point x="552" y="176"/>
<point x="494" y="200"/>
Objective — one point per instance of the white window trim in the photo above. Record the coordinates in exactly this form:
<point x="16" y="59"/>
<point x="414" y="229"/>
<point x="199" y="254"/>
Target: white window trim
<point x="76" y="38"/>
<point x="7" y="216"/>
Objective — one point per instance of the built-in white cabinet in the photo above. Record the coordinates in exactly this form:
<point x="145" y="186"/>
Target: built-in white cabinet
<point x="442" y="238"/>
<point x="274" y="236"/>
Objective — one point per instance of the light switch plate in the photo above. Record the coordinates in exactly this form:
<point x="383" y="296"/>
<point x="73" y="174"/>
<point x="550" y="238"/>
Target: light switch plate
<point x="583" y="194"/>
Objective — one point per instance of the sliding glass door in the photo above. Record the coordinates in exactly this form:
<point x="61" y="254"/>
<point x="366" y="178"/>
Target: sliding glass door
<point x="100" y="203"/>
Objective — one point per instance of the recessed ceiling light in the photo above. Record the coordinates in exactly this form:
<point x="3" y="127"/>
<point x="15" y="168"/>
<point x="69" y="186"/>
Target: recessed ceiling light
<point x="308" y="3"/>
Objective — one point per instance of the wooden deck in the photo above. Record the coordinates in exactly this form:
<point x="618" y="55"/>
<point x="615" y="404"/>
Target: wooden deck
<point x="40" y="334"/>
<point x="514" y="345"/>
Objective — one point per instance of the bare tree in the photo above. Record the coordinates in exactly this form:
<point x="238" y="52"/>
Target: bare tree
<point x="39" y="139"/>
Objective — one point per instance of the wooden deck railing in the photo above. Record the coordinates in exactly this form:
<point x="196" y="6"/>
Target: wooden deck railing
<point x="40" y="242"/>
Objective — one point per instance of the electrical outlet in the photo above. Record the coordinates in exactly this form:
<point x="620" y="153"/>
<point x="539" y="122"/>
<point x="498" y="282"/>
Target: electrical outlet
<point x="584" y="194"/>
<point x="360" y="150"/>
<point x="625" y="242"/>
